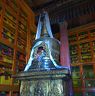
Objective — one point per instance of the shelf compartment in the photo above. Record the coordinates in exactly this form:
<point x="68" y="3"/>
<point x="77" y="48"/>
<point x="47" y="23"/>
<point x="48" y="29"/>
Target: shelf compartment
<point x="23" y="15"/>
<point x="10" y="35"/>
<point x="75" y="72"/>
<point x="12" y="5"/>
<point x="23" y="21"/>
<point x="5" y="50"/>
<point x="86" y="55"/>
<point x="6" y="54"/>
<point x="7" y="39"/>
<point x="9" y="28"/>
<point x="10" y="17"/>
<point x="22" y="27"/>
<point x="5" y="71"/>
<point x="21" y="45"/>
<point x="16" y="82"/>
<point x="93" y="43"/>
<point x="90" y="83"/>
<point x="5" y="65"/>
<point x="74" y="59"/>
<point x="75" y="75"/>
<point x="7" y="88"/>
<point x="89" y="93"/>
<point x="21" y="61"/>
<point x="88" y="71"/>
<point x="9" y="25"/>
<point x="78" y="94"/>
<point x="22" y="40"/>
<point x="11" y="31"/>
<point x="72" y="38"/>
<point x="8" y="59"/>
<point x="82" y="35"/>
<point x="77" y="83"/>
<point x="6" y="80"/>
<point x="21" y="56"/>
<point x="85" y="47"/>
<point x="74" y="53"/>
<point x="21" y="65"/>
<point x="92" y="33"/>
<point x="21" y="51"/>
<point x="73" y="49"/>
<point x="22" y="34"/>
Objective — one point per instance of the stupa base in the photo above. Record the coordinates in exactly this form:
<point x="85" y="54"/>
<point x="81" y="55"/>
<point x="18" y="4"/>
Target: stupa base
<point x="52" y="82"/>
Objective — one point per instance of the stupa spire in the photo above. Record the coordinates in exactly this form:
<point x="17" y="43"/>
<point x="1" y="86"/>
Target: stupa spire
<point x="44" y="28"/>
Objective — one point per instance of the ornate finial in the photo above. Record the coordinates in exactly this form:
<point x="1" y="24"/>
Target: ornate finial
<point x="44" y="32"/>
<point x="44" y="28"/>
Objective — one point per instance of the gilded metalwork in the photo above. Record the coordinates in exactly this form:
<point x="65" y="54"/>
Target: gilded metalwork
<point x="42" y="88"/>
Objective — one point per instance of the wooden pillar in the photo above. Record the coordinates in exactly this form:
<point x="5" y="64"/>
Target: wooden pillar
<point x="64" y="52"/>
<point x="64" y="45"/>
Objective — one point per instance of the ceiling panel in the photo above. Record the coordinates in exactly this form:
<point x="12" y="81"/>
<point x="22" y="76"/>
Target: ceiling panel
<point x="36" y="3"/>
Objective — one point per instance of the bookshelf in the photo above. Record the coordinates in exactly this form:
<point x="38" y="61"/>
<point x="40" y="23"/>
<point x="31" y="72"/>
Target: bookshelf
<point x="16" y="20"/>
<point x="81" y="44"/>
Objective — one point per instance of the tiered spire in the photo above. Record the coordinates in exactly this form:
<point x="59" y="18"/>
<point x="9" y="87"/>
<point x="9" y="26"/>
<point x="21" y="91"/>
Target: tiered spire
<point x="44" y="29"/>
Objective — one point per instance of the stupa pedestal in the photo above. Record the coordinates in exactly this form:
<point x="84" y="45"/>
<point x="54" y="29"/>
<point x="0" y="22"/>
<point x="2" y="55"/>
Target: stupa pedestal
<point x="52" y="82"/>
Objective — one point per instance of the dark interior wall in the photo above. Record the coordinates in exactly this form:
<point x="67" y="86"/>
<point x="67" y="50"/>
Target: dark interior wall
<point x="55" y="28"/>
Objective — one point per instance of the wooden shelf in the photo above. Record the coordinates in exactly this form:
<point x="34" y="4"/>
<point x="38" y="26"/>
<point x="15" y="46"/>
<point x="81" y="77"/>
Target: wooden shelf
<point x="7" y="88"/>
<point x="7" y="43"/>
<point x="89" y="79"/>
<point x="14" y="13"/>
<point x="84" y="63"/>
<point x="15" y="27"/>
<point x="77" y="89"/>
<point x="21" y="51"/>
<point x="84" y="49"/>
<point x="89" y="89"/>
<point x="6" y="65"/>
<point x="5" y="71"/>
